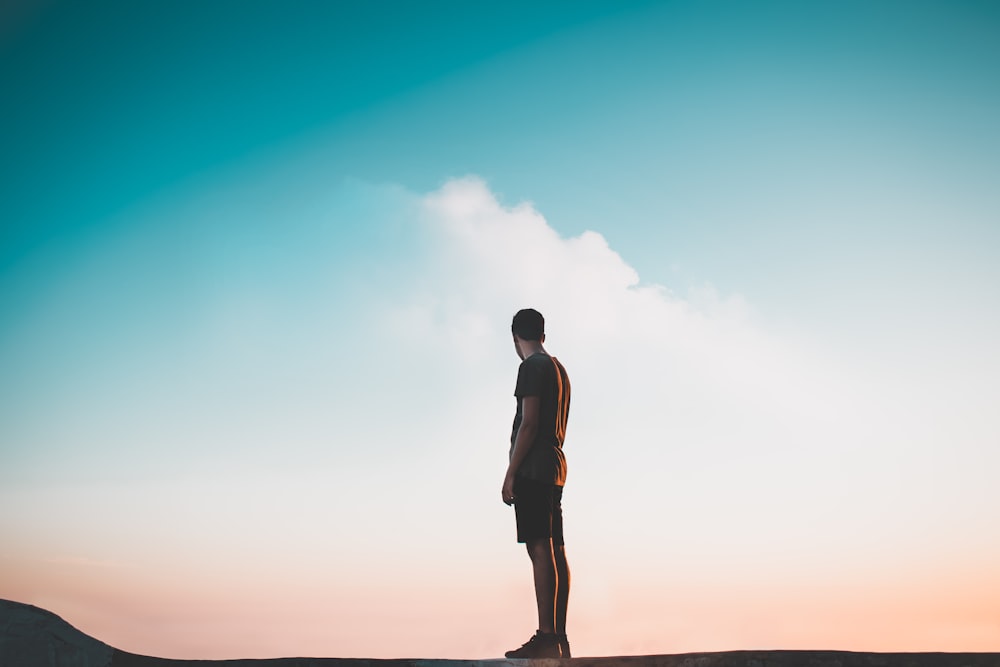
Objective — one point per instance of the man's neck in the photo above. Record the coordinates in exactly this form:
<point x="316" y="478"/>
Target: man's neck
<point x="530" y="347"/>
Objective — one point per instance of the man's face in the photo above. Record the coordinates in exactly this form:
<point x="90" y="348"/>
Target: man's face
<point x="517" y="348"/>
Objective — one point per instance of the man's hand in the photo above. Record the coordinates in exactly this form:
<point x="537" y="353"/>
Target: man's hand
<point x="507" y="491"/>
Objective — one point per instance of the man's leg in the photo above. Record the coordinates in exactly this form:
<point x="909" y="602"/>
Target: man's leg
<point x="562" y="587"/>
<point x="533" y="508"/>
<point x="562" y="572"/>
<point x="543" y="564"/>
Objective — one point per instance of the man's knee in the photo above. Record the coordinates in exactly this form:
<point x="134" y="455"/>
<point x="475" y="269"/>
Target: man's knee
<point x="540" y="548"/>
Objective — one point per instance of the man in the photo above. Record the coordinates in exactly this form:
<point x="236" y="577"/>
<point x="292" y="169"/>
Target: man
<point x="535" y="478"/>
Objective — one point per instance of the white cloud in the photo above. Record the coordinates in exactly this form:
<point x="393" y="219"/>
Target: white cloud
<point x="764" y="439"/>
<point x="490" y="260"/>
<point x="679" y="400"/>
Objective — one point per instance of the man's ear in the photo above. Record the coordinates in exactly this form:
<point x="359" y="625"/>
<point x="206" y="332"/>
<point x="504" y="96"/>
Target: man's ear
<point x="542" y="339"/>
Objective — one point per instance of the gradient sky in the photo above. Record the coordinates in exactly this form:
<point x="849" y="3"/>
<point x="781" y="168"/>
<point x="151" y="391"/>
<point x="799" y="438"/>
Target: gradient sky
<point x="258" y="262"/>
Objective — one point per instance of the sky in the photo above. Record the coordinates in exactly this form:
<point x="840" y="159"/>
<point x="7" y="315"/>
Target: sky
<point x="258" y="262"/>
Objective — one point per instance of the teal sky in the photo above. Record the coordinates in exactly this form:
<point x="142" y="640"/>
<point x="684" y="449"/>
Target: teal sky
<point x="237" y="238"/>
<point x="650" y="121"/>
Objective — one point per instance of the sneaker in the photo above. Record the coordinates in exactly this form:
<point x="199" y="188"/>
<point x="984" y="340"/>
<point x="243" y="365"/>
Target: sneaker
<point x="564" y="646"/>
<point x="542" y="645"/>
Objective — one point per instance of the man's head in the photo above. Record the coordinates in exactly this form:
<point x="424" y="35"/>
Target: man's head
<point x="528" y="324"/>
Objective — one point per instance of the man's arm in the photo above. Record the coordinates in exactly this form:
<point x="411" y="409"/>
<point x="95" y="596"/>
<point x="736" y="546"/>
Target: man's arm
<point x="530" y="407"/>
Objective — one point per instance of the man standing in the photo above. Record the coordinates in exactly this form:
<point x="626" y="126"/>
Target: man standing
<point x="535" y="478"/>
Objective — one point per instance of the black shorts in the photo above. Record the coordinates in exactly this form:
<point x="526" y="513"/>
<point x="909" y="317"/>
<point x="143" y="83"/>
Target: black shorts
<point x="538" y="507"/>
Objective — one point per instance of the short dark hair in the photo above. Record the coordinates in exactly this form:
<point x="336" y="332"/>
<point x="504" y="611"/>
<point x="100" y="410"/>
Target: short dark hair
<point x="528" y="324"/>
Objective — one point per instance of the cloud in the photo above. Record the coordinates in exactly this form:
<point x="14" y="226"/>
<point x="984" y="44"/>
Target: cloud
<point x="677" y="399"/>
<point x="642" y="342"/>
<point x="689" y="400"/>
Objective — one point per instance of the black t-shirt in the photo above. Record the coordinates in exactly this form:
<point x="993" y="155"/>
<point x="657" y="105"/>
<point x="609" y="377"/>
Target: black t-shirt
<point x="543" y="376"/>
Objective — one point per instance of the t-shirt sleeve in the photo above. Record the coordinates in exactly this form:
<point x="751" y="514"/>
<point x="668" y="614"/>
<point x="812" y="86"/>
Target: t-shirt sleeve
<point x="529" y="380"/>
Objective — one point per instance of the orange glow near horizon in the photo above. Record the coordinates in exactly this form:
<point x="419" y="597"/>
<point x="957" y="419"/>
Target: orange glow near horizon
<point x="189" y="615"/>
